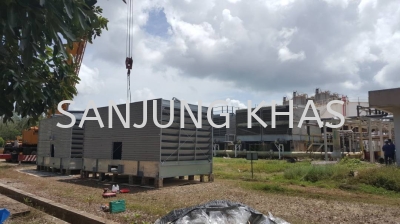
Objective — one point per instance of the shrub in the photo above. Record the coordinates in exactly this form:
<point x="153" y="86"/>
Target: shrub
<point x="1" y="142"/>
<point x="383" y="177"/>
<point x="318" y="173"/>
<point x="296" y="172"/>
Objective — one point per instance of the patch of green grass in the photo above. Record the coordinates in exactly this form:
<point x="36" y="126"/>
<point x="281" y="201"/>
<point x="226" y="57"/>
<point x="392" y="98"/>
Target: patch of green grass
<point x="383" y="177"/>
<point x="317" y="173"/>
<point x="149" y="209"/>
<point x="281" y="177"/>
<point x="239" y="168"/>
<point x="267" y="187"/>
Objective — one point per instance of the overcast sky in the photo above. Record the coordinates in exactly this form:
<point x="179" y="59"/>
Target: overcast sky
<point x="240" y="50"/>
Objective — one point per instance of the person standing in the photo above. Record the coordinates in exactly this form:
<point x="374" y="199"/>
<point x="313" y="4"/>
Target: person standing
<point x="393" y="150"/>
<point x="388" y="150"/>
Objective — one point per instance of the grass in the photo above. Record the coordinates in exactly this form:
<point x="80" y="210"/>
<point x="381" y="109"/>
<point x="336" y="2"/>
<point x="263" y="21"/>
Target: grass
<point x="349" y="180"/>
<point x="278" y="176"/>
<point x="238" y="168"/>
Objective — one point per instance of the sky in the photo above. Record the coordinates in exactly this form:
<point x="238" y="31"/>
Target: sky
<point x="240" y="50"/>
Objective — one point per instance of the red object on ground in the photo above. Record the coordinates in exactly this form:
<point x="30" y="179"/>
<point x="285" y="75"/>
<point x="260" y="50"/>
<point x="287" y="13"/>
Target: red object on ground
<point x="107" y="195"/>
<point x="125" y="190"/>
<point x="5" y="156"/>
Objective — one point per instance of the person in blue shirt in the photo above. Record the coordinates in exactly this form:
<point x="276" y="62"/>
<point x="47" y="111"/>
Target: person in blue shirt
<point x="389" y="151"/>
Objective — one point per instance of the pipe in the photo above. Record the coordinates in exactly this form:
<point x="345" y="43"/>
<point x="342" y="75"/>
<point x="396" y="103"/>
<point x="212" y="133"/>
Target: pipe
<point x="381" y="137"/>
<point x="283" y="154"/>
<point x="371" y="152"/>
<point x="325" y="142"/>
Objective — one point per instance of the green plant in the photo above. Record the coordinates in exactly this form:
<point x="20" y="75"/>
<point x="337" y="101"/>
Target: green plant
<point x="382" y="177"/>
<point x="1" y="142"/>
<point x="89" y="199"/>
<point x="27" y="201"/>
<point x="35" y="75"/>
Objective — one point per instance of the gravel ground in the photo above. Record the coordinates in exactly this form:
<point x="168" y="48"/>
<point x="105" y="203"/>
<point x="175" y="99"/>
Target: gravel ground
<point x="146" y="205"/>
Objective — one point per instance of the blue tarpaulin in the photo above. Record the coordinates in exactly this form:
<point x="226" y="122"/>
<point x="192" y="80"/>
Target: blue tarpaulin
<point x="4" y="214"/>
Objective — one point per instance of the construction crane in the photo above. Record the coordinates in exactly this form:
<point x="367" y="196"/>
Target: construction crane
<point x="77" y="52"/>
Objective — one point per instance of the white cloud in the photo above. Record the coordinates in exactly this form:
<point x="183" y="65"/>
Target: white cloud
<point x="236" y="103"/>
<point x="366" y="4"/>
<point x="285" y="54"/>
<point x="90" y="83"/>
<point x="246" y="50"/>
<point x="142" y="94"/>
<point x="341" y="3"/>
<point x="352" y="85"/>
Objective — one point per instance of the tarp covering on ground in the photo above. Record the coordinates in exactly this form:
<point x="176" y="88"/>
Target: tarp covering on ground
<point x="219" y="212"/>
<point x="4" y="214"/>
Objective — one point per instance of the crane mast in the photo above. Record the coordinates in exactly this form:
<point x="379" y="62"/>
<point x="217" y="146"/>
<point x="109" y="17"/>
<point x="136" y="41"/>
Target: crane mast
<point x="77" y="52"/>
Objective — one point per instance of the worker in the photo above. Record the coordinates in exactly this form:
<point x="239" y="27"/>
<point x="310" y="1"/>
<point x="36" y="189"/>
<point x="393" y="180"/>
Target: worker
<point x="393" y="149"/>
<point x="388" y="150"/>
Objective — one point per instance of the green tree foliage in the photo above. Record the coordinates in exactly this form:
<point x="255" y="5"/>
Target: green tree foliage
<point x="1" y="142"/>
<point x="10" y="130"/>
<point x="35" y="75"/>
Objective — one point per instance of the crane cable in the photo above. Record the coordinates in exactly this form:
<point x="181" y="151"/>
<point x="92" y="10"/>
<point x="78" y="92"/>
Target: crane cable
<point x="129" y="45"/>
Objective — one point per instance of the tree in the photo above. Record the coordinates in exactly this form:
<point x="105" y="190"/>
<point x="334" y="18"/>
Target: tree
<point x="35" y="75"/>
<point x="1" y="142"/>
<point x="11" y="129"/>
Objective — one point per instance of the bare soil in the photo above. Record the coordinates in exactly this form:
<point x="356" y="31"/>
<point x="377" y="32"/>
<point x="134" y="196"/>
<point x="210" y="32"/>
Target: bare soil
<point x="147" y="205"/>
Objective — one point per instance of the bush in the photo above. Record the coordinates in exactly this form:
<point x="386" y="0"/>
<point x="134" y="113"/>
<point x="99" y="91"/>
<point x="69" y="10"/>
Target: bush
<point x="317" y="173"/>
<point x="296" y="172"/>
<point x="349" y="161"/>
<point x="384" y="177"/>
<point x="1" y="142"/>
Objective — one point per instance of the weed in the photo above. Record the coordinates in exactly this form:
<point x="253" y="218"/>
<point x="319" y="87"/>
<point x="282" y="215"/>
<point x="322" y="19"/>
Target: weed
<point x="384" y="177"/>
<point x="89" y="199"/>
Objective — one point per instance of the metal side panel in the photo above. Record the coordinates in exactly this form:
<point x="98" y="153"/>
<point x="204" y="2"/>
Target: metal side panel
<point x="128" y="167"/>
<point x="148" y="169"/>
<point x="55" y="162"/>
<point x="174" y="169"/>
<point x="71" y="163"/>
<point x="46" y="161"/>
<point x="137" y="143"/>
<point x="43" y="148"/>
<point x="40" y="160"/>
<point x="89" y="164"/>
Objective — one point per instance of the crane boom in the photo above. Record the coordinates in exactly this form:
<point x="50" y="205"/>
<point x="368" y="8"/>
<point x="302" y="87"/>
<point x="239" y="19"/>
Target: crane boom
<point x="77" y="51"/>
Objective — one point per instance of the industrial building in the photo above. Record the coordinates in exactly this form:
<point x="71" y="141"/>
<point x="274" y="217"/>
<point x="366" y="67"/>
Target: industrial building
<point x="60" y="148"/>
<point x="362" y="134"/>
<point x="266" y="139"/>
<point x="386" y="100"/>
<point x="225" y="138"/>
<point x="150" y="153"/>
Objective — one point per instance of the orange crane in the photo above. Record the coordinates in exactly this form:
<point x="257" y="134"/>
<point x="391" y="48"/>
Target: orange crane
<point x="77" y="51"/>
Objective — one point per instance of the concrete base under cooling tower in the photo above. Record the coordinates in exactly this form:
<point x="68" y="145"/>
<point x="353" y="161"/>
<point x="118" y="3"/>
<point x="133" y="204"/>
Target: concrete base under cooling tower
<point x="148" y="169"/>
<point x="62" y="164"/>
<point x="388" y="100"/>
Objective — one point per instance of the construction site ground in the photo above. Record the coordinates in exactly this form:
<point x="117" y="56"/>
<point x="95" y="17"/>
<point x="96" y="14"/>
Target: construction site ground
<point x="310" y="204"/>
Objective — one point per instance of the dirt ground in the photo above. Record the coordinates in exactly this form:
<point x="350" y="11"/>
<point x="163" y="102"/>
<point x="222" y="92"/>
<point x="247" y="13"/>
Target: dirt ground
<point x="146" y="205"/>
